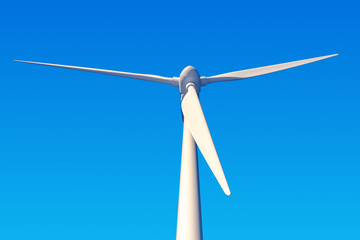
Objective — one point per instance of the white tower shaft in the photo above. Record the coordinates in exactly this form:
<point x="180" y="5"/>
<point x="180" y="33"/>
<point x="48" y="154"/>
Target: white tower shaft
<point x="189" y="225"/>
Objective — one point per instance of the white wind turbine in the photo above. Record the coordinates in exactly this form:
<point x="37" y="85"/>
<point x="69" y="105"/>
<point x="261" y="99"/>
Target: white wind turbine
<point x="195" y="133"/>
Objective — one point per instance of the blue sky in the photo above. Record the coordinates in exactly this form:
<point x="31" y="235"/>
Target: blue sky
<point x="87" y="156"/>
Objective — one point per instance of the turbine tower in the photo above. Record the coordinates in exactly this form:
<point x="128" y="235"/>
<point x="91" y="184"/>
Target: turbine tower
<point x="195" y="134"/>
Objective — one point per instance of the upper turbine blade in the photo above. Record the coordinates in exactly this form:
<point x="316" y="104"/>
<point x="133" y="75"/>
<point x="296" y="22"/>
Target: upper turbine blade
<point x="238" y="75"/>
<point x="146" y="77"/>
<point x="195" y="120"/>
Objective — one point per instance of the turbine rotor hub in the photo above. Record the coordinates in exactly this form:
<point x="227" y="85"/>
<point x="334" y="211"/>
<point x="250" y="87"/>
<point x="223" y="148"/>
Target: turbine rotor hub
<point x="189" y="76"/>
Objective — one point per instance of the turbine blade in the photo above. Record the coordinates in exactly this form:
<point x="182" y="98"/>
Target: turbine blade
<point x="195" y="120"/>
<point x="238" y="75"/>
<point x="146" y="77"/>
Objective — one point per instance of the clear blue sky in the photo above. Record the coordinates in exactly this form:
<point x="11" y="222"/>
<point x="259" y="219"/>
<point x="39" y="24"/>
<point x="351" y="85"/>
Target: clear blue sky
<point x="87" y="156"/>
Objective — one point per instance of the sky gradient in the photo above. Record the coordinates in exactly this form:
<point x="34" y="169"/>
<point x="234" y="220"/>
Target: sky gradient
<point x="90" y="156"/>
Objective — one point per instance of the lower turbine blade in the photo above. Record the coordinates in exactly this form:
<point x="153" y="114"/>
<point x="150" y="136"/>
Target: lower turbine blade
<point x="195" y="120"/>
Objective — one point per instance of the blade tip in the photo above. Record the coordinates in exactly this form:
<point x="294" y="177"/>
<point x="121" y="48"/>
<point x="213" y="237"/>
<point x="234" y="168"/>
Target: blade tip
<point x="227" y="191"/>
<point x="332" y="55"/>
<point x="22" y="61"/>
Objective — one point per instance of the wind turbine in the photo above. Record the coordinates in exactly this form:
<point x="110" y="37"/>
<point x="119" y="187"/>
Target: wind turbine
<point x="195" y="134"/>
